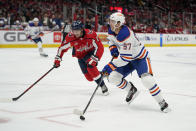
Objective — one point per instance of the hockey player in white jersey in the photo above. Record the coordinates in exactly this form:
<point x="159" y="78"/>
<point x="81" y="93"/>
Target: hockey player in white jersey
<point x="130" y="55"/>
<point x="34" y="32"/>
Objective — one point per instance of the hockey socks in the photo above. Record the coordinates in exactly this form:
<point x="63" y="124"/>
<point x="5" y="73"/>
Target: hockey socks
<point x="41" y="52"/>
<point x="156" y="93"/>
<point x="149" y="82"/>
<point x="103" y="86"/>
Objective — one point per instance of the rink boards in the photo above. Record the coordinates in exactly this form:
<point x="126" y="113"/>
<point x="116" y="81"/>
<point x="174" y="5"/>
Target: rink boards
<point x="17" y="39"/>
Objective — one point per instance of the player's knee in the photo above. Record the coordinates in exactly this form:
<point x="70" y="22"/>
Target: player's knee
<point x="148" y="80"/>
<point x="115" y="78"/>
<point x="88" y="77"/>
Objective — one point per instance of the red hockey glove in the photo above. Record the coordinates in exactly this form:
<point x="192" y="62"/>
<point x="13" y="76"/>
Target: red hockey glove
<point x="93" y="61"/>
<point x="57" y="62"/>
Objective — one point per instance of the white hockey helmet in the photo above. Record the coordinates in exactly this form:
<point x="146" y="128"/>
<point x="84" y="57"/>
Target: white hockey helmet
<point x="17" y="22"/>
<point x="118" y="17"/>
<point x="1" y="22"/>
<point x="54" y="22"/>
<point x="35" y="20"/>
<point x="62" y="23"/>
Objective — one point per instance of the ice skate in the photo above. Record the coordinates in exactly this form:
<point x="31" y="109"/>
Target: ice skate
<point x="104" y="90"/>
<point x="42" y="53"/>
<point x="132" y="94"/>
<point x="164" y="106"/>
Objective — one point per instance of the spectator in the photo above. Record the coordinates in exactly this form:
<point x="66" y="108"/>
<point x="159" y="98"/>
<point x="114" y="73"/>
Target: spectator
<point x="156" y="27"/>
<point x="2" y="26"/>
<point x="17" y="26"/>
<point x="45" y="26"/>
<point x="55" y="27"/>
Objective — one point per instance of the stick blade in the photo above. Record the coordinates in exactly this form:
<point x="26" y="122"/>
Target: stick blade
<point x="77" y="112"/>
<point x="6" y="100"/>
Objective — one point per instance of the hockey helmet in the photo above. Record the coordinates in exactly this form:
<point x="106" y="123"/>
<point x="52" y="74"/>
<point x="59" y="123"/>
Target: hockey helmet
<point x="35" y="20"/>
<point x="118" y="17"/>
<point x="77" y="25"/>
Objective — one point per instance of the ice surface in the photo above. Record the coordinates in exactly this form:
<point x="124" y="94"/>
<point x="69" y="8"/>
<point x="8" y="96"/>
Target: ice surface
<point x="49" y="105"/>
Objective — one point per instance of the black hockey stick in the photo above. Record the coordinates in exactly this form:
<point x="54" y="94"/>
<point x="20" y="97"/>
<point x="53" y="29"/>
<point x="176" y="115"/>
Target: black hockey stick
<point x="16" y="98"/>
<point x="81" y="113"/>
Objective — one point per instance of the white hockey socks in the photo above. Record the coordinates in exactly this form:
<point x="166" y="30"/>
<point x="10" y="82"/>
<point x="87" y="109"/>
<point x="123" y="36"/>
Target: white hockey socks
<point x="41" y="52"/>
<point x="149" y="82"/>
<point x="124" y="85"/>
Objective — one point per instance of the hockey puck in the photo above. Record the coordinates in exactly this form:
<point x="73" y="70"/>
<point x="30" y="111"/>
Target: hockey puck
<point x="82" y="118"/>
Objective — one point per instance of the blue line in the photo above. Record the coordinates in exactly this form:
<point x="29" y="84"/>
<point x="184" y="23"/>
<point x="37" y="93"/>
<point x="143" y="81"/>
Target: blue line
<point x="161" y="40"/>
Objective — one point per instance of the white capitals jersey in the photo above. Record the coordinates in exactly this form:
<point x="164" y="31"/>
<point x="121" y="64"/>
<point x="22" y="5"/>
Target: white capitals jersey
<point x="128" y="45"/>
<point x="33" y="31"/>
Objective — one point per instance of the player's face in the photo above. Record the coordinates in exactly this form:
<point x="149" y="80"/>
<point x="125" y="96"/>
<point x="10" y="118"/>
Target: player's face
<point x="77" y="33"/>
<point x="36" y="23"/>
<point x="114" y="24"/>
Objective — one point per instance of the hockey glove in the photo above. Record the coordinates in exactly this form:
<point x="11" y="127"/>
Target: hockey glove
<point x="29" y="37"/>
<point x="92" y="61"/>
<point x="41" y="34"/>
<point x="108" y="68"/>
<point x="114" y="51"/>
<point x="57" y="61"/>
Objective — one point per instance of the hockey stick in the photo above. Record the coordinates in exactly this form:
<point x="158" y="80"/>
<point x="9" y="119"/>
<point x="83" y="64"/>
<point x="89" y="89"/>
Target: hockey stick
<point x="81" y="113"/>
<point x="16" y="98"/>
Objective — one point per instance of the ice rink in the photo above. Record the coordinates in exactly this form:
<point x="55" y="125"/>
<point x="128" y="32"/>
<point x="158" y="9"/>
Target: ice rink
<point x="49" y="105"/>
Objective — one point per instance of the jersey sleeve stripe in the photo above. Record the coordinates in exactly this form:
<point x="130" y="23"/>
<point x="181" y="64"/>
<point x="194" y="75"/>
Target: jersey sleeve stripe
<point x="126" y="54"/>
<point x="112" y="47"/>
<point x="149" y="66"/>
<point x="127" y="57"/>
<point x="64" y="47"/>
<point x="96" y="47"/>
<point x="140" y="52"/>
<point x="112" y="66"/>
<point x="143" y="54"/>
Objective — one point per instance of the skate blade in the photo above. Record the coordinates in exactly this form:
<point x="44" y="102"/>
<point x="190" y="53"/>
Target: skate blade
<point x="106" y="93"/>
<point x="44" y="55"/>
<point x="166" y="110"/>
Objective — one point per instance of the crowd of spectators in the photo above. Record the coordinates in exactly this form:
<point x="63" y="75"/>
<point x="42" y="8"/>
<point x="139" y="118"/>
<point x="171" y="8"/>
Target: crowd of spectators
<point x="145" y="16"/>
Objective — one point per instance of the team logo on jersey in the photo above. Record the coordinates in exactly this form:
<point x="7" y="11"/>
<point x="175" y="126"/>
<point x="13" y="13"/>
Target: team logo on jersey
<point x="84" y="48"/>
